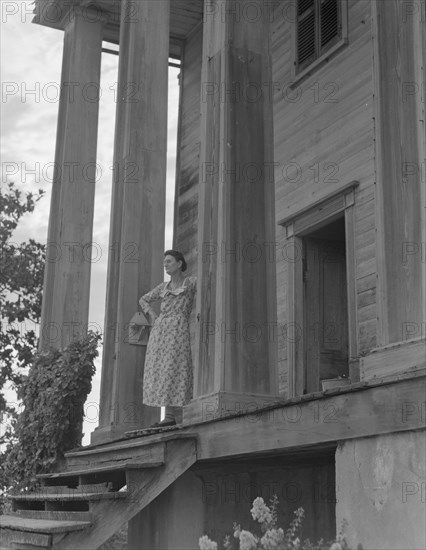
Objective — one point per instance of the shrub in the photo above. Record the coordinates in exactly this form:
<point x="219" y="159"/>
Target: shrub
<point x="271" y="536"/>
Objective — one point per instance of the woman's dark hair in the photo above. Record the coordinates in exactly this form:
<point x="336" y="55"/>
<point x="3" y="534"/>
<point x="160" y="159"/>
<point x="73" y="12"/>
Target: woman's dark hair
<point x="178" y="257"/>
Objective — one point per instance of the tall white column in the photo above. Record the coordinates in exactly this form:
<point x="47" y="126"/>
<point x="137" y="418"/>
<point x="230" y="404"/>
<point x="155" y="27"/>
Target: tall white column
<point x="138" y="209"/>
<point x="237" y="290"/>
<point x="67" y="273"/>
<point x="399" y="39"/>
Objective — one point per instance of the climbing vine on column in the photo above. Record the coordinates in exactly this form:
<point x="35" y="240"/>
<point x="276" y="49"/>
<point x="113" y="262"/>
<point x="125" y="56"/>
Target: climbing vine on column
<point x="53" y="396"/>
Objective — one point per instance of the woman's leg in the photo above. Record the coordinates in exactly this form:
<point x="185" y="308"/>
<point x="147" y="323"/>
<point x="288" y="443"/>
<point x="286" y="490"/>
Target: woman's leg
<point x="173" y="413"/>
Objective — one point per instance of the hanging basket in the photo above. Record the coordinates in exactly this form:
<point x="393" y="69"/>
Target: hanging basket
<point x="139" y="329"/>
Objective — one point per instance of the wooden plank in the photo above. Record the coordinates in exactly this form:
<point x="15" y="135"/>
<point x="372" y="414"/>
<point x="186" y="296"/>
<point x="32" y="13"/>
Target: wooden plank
<point x="82" y="488"/>
<point x="351" y="284"/>
<point x="321" y="208"/>
<point x="365" y="283"/>
<point x="222" y="404"/>
<point x="364" y="256"/>
<point x="365" y="210"/>
<point x="204" y="376"/>
<point x="394" y="359"/>
<point x="185" y="231"/>
<point x="80" y="496"/>
<point x="147" y="442"/>
<point x="367" y="266"/>
<point x="367" y="313"/>
<point x="100" y="457"/>
<point x="365" y="233"/>
<point x="294" y="333"/>
<point x="65" y="489"/>
<point x="365" y="195"/>
<point x="368" y="297"/>
<point x="367" y="331"/>
<point x="41" y="525"/>
<point x="124" y="465"/>
<point x="373" y="410"/>
<point x="187" y="168"/>
<point x="30" y="540"/>
<point x="55" y="515"/>
<point x="362" y="410"/>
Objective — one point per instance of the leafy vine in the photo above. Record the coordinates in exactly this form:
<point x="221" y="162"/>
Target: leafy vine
<point x="51" y="423"/>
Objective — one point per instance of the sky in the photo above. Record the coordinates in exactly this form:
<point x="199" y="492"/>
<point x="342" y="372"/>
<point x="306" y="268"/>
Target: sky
<point x="31" y="58"/>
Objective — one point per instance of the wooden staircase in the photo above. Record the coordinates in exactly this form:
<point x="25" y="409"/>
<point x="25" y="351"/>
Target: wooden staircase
<point x="101" y="489"/>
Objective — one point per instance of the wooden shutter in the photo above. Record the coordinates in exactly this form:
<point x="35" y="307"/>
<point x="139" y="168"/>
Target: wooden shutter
<point x="329" y="22"/>
<point x="306" y="38"/>
<point x="318" y="28"/>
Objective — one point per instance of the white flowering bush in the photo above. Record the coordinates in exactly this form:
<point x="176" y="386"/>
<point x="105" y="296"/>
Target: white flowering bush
<point x="272" y="537"/>
<point x="206" y="544"/>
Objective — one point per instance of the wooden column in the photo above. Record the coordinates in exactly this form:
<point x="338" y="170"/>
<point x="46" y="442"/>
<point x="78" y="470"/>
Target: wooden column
<point x="67" y="273"/>
<point x="138" y="209"/>
<point x="399" y="39"/>
<point x="236" y="337"/>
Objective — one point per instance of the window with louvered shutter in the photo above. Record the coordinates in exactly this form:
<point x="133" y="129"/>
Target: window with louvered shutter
<point x="319" y="27"/>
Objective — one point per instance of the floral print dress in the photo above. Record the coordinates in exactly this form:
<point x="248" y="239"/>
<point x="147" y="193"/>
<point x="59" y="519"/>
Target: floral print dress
<point x="168" y="374"/>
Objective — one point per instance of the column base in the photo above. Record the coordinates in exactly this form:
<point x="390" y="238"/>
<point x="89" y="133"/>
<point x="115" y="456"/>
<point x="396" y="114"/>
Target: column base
<point x="106" y="434"/>
<point x="218" y="405"/>
<point x="114" y="432"/>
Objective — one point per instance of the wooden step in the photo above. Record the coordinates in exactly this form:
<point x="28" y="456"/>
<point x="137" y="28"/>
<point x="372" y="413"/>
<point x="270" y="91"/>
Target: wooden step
<point x="66" y="490"/>
<point x="54" y="515"/>
<point x="46" y="526"/>
<point x="35" y="533"/>
<point x="71" y="476"/>
<point x="111" y="456"/>
<point x="25" y="539"/>
<point x="67" y="497"/>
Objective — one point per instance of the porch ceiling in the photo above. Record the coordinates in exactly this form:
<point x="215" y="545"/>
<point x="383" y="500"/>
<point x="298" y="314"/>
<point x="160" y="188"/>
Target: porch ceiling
<point x="184" y="16"/>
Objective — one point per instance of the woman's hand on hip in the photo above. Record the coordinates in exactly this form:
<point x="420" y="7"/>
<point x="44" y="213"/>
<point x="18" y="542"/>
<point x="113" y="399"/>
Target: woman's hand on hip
<point x="152" y="317"/>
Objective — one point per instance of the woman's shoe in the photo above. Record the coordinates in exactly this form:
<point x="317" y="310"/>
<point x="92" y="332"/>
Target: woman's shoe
<point x="163" y="424"/>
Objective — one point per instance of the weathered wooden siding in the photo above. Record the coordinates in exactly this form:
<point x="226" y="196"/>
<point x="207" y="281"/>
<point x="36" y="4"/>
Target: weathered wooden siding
<point x="323" y="134"/>
<point x="187" y="173"/>
<point x="188" y="158"/>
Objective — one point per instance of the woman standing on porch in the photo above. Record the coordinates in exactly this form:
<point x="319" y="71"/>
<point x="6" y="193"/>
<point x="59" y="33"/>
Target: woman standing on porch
<point x="168" y="374"/>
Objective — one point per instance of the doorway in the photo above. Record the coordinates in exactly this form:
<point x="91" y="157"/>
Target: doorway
<point x="325" y="309"/>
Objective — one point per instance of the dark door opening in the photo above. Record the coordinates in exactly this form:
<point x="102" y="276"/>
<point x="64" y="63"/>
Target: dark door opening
<point x="326" y="341"/>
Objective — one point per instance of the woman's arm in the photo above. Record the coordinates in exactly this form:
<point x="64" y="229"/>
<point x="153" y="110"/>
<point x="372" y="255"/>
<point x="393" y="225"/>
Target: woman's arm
<point x="151" y="296"/>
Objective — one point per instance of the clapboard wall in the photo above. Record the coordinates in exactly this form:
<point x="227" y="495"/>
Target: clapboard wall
<point x="188" y="158"/>
<point x="324" y="139"/>
<point x="325" y="136"/>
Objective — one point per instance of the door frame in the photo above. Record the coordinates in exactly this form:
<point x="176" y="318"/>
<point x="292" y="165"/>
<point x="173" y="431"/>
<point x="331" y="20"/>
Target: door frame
<point x="297" y="226"/>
